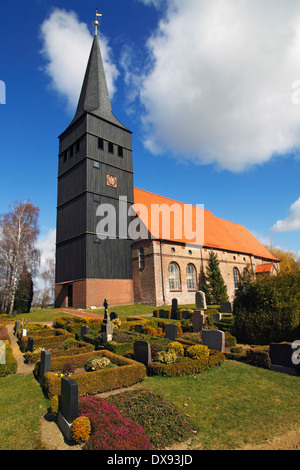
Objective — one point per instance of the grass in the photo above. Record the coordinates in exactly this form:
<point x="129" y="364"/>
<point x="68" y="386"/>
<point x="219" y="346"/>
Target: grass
<point x="49" y="314"/>
<point x="22" y="404"/>
<point x="229" y="406"/>
<point x="234" y="405"/>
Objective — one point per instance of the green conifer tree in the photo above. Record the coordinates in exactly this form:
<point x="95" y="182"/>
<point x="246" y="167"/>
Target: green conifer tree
<point x="214" y="286"/>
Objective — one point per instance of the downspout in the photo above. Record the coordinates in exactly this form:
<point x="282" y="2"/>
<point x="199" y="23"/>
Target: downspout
<point x="162" y="274"/>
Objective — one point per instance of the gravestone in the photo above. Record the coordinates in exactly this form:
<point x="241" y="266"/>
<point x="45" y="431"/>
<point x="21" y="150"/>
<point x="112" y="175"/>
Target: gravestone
<point x="17" y="327"/>
<point x="226" y="307"/>
<point x="216" y="316"/>
<point x="214" y="339"/>
<point x="107" y="328"/>
<point x="113" y="316"/>
<point x="171" y="331"/>
<point x="142" y="352"/>
<point x="24" y="332"/>
<point x="198" y="320"/>
<point x="2" y="352"/>
<point x="45" y="364"/>
<point x="30" y="344"/>
<point x="174" y="309"/>
<point x="201" y="300"/>
<point x="281" y="358"/>
<point x="138" y="328"/>
<point x="69" y="405"/>
<point x="84" y="330"/>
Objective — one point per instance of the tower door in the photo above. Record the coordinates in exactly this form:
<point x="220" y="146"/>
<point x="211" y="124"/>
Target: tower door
<point x="70" y="295"/>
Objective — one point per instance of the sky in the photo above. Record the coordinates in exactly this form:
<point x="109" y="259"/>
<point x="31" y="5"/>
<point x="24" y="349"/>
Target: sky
<point x="209" y="88"/>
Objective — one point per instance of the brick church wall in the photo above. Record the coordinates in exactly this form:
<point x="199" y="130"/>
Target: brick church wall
<point x="152" y="288"/>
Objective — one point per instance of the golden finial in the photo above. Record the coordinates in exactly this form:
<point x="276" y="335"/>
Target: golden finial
<point x="96" y="23"/>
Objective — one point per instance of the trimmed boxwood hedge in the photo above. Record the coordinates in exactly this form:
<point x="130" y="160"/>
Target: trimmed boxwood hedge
<point x="186" y="366"/>
<point x="11" y="364"/>
<point x="82" y="348"/>
<point x="91" y="383"/>
<point x="48" y="341"/>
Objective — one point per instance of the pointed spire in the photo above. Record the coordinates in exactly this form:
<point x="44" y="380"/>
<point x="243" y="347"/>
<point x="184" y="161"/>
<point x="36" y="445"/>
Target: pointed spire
<point x="94" y="97"/>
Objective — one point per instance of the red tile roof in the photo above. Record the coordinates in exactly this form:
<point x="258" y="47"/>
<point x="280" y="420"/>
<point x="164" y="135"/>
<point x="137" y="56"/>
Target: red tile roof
<point x="264" y="268"/>
<point x="218" y="233"/>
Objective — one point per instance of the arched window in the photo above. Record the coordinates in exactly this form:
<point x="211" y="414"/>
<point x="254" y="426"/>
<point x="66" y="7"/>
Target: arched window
<point x="236" y="277"/>
<point x="174" y="277"/>
<point x="191" y="277"/>
<point x="141" y="258"/>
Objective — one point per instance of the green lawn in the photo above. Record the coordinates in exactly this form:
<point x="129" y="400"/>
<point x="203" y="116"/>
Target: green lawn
<point x="229" y="406"/>
<point x="234" y="405"/>
<point x="22" y="404"/>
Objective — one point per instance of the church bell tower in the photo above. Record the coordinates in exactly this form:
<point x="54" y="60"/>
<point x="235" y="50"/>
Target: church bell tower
<point x="95" y="168"/>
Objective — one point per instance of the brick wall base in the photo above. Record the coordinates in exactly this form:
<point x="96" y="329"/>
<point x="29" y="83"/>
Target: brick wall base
<point x="92" y="292"/>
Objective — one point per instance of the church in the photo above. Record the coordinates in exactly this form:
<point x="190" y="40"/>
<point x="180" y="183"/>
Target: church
<point x="125" y="244"/>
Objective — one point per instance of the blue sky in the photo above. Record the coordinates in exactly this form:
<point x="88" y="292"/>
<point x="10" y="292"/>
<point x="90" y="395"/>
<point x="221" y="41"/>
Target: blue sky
<point x="208" y="88"/>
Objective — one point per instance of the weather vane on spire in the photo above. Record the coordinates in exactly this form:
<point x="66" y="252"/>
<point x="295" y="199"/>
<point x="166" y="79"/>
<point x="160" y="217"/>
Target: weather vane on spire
<point x="97" y="22"/>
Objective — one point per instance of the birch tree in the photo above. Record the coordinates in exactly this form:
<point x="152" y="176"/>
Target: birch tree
<point x="18" y="235"/>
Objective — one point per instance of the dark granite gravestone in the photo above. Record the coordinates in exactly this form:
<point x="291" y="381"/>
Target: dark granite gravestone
<point x="216" y="316"/>
<point x="45" y="364"/>
<point x="226" y="307"/>
<point x="142" y="352"/>
<point x="214" y="339"/>
<point x="171" y="331"/>
<point x="30" y="344"/>
<point x="174" y="309"/>
<point x="281" y="355"/>
<point x="84" y="330"/>
<point x="198" y="320"/>
<point x="113" y="316"/>
<point x="17" y="327"/>
<point x="69" y="399"/>
<point x="69" y="405"/>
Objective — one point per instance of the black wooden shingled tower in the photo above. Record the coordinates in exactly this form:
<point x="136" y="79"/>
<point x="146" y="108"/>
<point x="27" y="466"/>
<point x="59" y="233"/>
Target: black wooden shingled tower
<point x="95" y="167"/>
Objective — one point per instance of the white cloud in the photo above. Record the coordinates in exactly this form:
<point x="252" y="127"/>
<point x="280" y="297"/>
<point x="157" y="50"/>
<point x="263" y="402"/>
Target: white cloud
<point x="220" y="87"/>
<point x="66" y="47"/>
<point x="291" y="222"/>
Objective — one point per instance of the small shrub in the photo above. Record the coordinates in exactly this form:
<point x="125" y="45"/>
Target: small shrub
<point x="110" y="430"/>
<point x="81" y="429"/>
<point x="176" y="347"/>
<point x="259" y="358"/>
<point x="162" y="421"/>
<point x="166" y="357"/>
<point x="97" y="363"/>
<point x="116" y="323"/>
<point x="155" y="349"/>
<point x="198" y="352"/>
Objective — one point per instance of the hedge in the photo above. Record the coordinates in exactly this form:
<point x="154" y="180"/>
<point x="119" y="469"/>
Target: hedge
<point x="11" y="364"/>
<point x="186" y="366"/>
<point x="91" y="383"/>
<point x="82" y="348"/>
<point x="59" y="336"/>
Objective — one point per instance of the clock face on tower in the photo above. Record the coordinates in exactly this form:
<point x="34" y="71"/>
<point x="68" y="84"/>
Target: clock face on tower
<point x="111" y="181"/>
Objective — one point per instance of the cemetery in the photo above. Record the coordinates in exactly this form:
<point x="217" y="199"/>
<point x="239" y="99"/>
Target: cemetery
<point x="77" y="359"/>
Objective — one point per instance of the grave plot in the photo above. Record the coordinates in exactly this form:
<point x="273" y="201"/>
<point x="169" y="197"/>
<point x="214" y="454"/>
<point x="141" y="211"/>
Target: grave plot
<point x="122" y="372"/>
